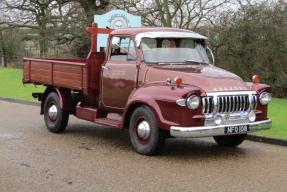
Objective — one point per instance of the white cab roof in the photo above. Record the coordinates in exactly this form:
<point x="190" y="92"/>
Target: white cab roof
<point x="170" y="34"/>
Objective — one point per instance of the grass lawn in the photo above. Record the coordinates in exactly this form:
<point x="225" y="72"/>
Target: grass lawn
<point x="11" y="87"/>
<point x="278" y="113"/>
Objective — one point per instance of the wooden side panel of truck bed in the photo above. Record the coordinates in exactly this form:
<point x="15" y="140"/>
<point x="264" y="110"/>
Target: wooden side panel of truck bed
<point x="59" y="73"/>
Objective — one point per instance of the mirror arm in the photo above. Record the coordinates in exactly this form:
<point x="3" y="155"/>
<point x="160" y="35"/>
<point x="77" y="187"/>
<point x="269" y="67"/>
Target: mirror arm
<point x="213" y="59"/>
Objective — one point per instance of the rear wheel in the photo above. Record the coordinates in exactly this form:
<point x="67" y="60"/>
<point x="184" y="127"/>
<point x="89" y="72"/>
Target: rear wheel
<point x="230" y="140"/>
<point x="56" y="119"/>
<point x="145" y="136"/>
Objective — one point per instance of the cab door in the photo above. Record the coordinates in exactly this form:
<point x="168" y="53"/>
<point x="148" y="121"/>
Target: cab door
<point x="119" y="74"/>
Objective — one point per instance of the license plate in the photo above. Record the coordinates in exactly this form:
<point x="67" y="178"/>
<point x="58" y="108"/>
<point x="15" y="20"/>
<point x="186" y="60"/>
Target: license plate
<point x="236" y="129"/>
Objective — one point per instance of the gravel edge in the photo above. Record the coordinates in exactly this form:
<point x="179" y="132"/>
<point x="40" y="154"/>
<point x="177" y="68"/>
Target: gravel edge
<point x="267" y="140"/>
<point x="19" y="101"/>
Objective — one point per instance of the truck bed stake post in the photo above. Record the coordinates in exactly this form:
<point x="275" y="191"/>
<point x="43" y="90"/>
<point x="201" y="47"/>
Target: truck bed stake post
<point x="94" y="36"/>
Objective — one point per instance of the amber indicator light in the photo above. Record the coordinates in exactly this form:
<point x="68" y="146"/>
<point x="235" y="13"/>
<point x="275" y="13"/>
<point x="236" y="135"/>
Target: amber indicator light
<point x="256" y="79"/>
<point x="178" y="81"/>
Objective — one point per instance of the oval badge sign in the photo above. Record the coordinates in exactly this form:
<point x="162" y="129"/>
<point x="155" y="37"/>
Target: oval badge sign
<point x="115" y="19"/>
<point x="118" y="22"/>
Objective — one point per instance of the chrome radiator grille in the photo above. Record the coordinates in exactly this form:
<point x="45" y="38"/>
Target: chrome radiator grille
<point x="228" y="103"/>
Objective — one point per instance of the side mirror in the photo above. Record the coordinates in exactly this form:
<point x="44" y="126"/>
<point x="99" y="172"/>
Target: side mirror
<point x="210" y="55"/>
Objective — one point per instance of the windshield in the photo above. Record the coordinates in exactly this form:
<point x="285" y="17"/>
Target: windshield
<point x="174" y="51"/>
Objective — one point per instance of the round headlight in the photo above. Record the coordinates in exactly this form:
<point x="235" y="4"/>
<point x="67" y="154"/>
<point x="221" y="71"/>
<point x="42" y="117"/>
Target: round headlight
<point x="193" y="102"/>
<point x="265" y="98"/>
<point x="251" y="116"/>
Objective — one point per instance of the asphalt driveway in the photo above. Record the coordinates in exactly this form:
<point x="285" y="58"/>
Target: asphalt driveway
<point x="89" y="157"/>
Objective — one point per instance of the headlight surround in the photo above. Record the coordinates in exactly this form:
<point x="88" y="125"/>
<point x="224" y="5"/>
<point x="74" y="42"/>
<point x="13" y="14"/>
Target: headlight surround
<point x="265" y="98"/>
<point x="193" y="102"/>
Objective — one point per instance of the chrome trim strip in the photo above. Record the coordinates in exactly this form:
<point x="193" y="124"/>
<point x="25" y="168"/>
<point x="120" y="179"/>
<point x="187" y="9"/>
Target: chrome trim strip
<point x="224" y="103"/>
<point x="237" y="104"/>
<point x="181" y="102"/>
<point x="215" y="104"/>
<point x="234" y="107"/>
<point x="250" y="99"/>
<point x="244" y="103"/>
<point x="203" y="105"/>
<point x="240" y="103"/>
<point x="255" y="101"/>
<point x="209" y="131"/>
<point x="229" y="103"/>
<point x="228" y="93"/>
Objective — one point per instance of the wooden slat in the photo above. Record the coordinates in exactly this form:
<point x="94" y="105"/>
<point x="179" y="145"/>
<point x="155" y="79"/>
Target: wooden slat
<point x="43" y="72"/>
<point x="40" y="65"/>
<point x="67" y="69"/>
<point x="36" y="77"/>
<point x="58" y="74"/>
<point x="68" y="82"/>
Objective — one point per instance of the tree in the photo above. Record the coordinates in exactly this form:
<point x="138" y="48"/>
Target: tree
<point x="253" y="40"/>
<point x="33" y="14"/>
<point x="54" y="20"/>
<point x="11" y="46"/>
<point x="188" y="14"/>
<point x="91" y="7"/>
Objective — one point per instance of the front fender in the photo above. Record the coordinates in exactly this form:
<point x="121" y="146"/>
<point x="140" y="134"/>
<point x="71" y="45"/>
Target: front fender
<point x="161" y="99"/>
<point x="262" y="109"/>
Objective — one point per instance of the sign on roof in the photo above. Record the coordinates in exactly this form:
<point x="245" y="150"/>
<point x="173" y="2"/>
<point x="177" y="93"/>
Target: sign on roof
<point x="115" y="19"/>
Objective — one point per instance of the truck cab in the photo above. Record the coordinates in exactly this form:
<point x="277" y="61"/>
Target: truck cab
<point x="156" y="82"/>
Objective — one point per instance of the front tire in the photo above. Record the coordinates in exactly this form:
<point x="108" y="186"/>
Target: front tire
<point x="56" y="119"/>
<point x="145" y="136"/>
<point x="230" y="140"/>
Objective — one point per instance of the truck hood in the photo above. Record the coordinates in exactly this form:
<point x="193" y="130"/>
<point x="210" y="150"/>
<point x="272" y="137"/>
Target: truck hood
<point x="207" y="77"/>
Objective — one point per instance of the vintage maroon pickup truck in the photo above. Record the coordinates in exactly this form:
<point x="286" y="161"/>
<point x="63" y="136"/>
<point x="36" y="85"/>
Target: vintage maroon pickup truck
<point x="157" y="82"/>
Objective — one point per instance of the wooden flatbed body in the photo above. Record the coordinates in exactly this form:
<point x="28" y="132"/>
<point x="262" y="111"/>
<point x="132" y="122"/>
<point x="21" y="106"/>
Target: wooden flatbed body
<point x="69" y="73"/>
<point x="75" y="74"/>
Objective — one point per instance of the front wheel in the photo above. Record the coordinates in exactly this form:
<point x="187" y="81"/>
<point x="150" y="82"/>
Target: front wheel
<point x="145" y="136"/>
<point x="229" y="140"/>
<point x="56" y="119"/>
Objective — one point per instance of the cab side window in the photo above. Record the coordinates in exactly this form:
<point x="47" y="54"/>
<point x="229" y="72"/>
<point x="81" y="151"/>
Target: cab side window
<point x="122" y="49"/>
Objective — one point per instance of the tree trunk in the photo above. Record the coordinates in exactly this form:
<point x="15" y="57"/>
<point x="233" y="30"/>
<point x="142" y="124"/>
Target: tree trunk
<point x="43" y="41"/>
<point x="43" y="44"/>
<point x="91" y="9"/>
<point x="4" y="56"/>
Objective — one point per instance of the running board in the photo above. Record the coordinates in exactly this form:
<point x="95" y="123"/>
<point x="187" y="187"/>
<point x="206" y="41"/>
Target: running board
<point x="108" y="122"/>
<point x="93" y="115"/>
<point x="86" y="113"/>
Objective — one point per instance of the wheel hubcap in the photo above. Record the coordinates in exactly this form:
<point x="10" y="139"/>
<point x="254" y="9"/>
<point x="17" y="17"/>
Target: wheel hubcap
<point x="52" y="112"/>
<point x="143" y="130"/>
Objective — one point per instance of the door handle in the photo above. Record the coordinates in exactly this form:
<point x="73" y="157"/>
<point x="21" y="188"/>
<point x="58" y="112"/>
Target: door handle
<point x="106" y="68"/>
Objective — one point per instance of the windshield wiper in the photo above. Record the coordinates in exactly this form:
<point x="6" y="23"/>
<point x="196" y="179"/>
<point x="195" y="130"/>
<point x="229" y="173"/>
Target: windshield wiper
<point x="194" y="62"/>
<point x="170" y="63"/>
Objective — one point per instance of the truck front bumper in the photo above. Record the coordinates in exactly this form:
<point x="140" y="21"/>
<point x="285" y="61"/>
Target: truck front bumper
<point x="209" y="131"/>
